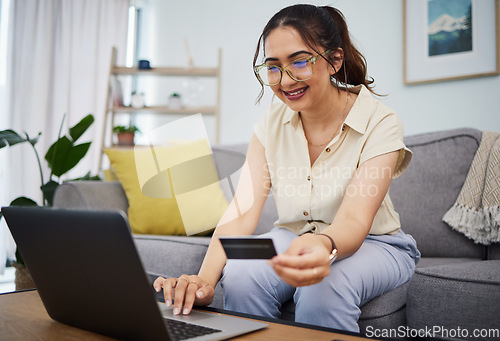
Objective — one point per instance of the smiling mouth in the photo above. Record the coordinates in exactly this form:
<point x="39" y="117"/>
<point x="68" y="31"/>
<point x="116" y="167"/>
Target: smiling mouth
<point x="296" y="92"/>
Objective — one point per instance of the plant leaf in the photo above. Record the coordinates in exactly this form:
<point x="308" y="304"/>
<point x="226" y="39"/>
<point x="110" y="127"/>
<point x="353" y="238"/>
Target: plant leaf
<point x="76" y="153"/>
<point x="70" y="158"/>
<point x="86" y="177"/>
<point x="32" y="141"/>
<point x="57" y="154"/>
<point x="19" y="258"/>
<point x="49" y="190"/>
<point x="9" y="138"/>
<point x="23" y="201"/>
<point x="81" y="127"/>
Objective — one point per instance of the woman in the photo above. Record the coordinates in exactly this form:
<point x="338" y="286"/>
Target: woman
<point x="329" y="152"/>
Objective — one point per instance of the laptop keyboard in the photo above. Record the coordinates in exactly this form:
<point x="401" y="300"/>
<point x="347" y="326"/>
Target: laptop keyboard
<point x="183" y="330"/>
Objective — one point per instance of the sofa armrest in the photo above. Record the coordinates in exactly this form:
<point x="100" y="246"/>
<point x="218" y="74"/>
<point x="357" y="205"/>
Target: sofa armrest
<point x="91" y="195"/>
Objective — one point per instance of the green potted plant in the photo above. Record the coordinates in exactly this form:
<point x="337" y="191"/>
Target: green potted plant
<point x="126" y="134"/>
<point x="175" y="101"/>
<point x="62" y="156"/>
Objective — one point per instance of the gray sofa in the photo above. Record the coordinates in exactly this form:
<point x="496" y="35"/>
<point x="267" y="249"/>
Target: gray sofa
<point x="456" y="283"/>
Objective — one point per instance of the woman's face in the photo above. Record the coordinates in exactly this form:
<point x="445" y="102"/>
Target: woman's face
<point x="285" y="45"/>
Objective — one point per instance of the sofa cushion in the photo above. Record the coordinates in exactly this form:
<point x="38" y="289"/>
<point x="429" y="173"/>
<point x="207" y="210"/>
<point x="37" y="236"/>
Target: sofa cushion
<point x="145" y="214"/>
<point x="171" y="255"/>
<point x="430" y="186"/>
<point x="91" y="195"/>
<point x="390" y="308"/>
<point x="427" y="262"/>
<point x="175" y="193"/>
<point x="386" y="304"/>
<point x="494" y="251"/>
<point x="463" y="295"/>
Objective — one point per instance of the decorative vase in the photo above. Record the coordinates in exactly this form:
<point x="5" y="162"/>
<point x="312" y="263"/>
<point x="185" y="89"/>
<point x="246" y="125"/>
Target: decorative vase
<point x="126" y="139"/>
<point x="23" y="278"/>
<point x="137" y="101"/>
<point x="174" y="102"/>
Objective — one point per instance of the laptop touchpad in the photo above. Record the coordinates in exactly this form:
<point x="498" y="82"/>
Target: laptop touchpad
<point x="168" y="312"/>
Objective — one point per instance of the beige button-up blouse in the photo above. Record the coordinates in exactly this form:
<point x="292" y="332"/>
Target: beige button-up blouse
<point x="308" y="197"/>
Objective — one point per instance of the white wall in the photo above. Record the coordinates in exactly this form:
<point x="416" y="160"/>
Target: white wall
<point x="376" y="26"/>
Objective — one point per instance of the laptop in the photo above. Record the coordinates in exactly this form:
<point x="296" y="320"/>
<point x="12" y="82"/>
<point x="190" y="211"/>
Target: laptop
<point x="89" y="275"/>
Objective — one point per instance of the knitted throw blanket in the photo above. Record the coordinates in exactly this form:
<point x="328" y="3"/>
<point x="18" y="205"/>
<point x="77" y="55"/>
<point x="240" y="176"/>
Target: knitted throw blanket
<point x="476" y="213"/>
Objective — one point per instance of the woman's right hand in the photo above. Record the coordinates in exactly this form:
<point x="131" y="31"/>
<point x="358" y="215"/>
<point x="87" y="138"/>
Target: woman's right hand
<point x="185" y="291"/>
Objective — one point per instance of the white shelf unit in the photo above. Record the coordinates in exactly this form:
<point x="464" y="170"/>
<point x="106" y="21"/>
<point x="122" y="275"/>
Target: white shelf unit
<point x="111" y="110"/>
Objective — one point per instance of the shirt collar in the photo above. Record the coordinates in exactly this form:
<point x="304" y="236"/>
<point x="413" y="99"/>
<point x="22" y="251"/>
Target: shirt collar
<point x="291" y="117"/>
<point x="357" y="118"/>
<point x="359" y="114"/>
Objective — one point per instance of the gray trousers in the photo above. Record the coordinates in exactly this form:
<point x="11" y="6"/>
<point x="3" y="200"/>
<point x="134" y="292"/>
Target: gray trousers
<point x="382" y="263"/>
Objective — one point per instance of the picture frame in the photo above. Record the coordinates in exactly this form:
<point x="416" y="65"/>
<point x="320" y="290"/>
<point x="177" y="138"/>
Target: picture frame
<point x="450" y="39"/>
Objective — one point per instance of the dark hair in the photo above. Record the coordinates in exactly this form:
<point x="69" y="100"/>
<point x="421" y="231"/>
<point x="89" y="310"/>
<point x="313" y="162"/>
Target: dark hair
<point x="326" y="27"/>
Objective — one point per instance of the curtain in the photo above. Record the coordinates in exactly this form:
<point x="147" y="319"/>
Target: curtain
<point x="59" y="64"/>
<point x="5" y="45"/>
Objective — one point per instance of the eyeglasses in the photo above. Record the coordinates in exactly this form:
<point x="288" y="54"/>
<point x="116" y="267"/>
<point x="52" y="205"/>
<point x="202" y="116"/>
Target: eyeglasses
<point x="299" y="70"/>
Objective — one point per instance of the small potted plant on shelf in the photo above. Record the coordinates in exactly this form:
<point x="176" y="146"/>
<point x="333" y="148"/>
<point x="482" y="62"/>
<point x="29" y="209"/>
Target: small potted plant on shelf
<point x="175" y="101"/>
<point x="126" y="134"/>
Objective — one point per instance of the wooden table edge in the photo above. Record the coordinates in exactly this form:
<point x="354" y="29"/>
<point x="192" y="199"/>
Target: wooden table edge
<point x="13" y="321"/>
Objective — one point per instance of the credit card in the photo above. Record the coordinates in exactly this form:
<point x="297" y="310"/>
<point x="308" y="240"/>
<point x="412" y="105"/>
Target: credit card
<point x="248" y="248"/>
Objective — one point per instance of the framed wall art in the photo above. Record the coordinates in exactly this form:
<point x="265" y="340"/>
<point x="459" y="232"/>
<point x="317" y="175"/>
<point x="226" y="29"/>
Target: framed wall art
<point x="450" y="39"/>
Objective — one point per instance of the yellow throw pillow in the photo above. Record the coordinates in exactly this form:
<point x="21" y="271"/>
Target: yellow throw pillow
<point x="110" y="175"/>
<point x="170" y="190"/>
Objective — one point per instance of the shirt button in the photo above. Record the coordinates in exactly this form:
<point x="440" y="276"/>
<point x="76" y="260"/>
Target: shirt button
<point x="306" y="214"/>
<point x="309" y="178"/>
<point x="328" y="149"/>
<point x="343" y="128"/>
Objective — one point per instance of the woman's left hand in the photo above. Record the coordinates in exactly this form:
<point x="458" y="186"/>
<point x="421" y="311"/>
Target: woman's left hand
<point x="306" y="262"/>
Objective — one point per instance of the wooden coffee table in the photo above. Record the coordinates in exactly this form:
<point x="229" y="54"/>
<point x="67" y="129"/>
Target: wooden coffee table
<point x="23" y="317"/>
